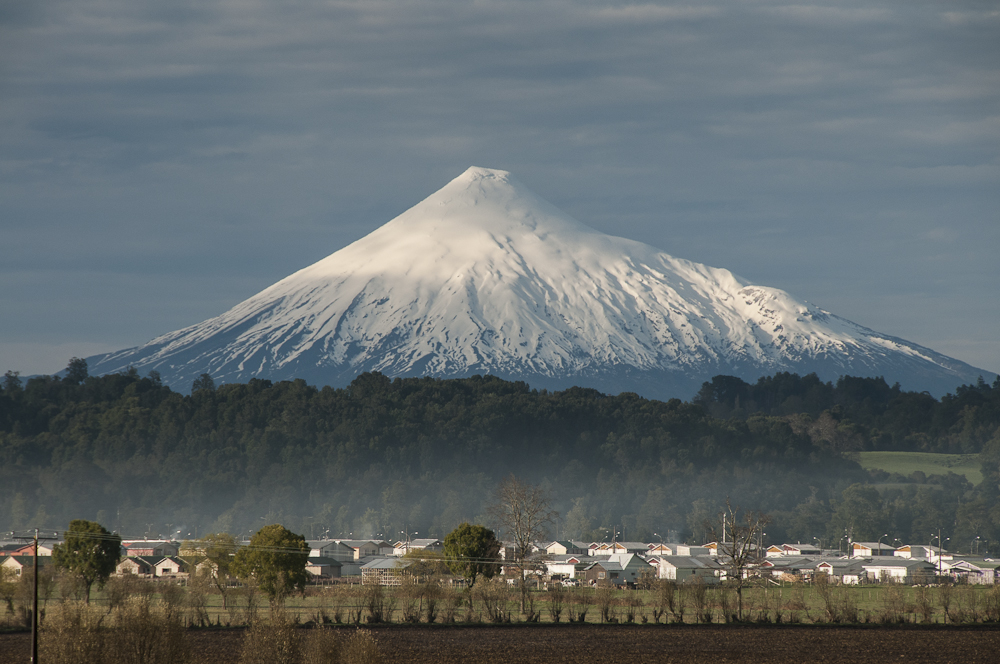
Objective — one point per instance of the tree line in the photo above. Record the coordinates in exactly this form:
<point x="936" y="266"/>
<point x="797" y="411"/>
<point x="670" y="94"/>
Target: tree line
<point x="382" y="457"/>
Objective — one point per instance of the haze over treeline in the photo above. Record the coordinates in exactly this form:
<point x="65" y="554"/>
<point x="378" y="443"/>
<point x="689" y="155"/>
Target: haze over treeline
<point x="383" y="456"/>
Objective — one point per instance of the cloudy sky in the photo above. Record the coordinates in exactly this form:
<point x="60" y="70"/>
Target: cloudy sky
<point x="162" y="160"/>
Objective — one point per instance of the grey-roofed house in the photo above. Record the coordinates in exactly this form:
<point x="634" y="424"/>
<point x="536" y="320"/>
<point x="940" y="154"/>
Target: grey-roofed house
<point x="601" y="572"/>
<point x="869" y="549"/>
<point x="18" y="563"/>
<point x="566" y="566"/>
<point x="423" y="544"/>
<point x="778" y="550"/>
<point x="323" y="568"/>
<point x="915" y="551"/>
<point x="618" y="568"/>
<point x="981" y="571"/>
<point x="845" y="570"/>
<point x="137" y="565"/>
<point x="900" y="570"/>
<point x="566" y="547"/>
<point x="169" y="566"/>
<point x="688" y="569"/>
<point x="789" y="567"/>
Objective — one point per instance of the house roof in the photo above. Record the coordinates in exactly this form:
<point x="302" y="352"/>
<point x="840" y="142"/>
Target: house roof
<point x="605" y="565"/>
<point x="690" y="562"/>
<point x="627" y="559"/>
<point x="841" y="564"/>
<point x="147" y="544"/>
<point x="170" y="560"/>
<point x="26" y="561"/>
<point x="885" y="561"/>
<point x="800" y="547"/>
<point x="567" y="557"/>
<point x="387" y="563"/>
<point x="790" y="562"/>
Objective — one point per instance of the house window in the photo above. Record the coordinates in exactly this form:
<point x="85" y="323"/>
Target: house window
<point x="600" y="575"/>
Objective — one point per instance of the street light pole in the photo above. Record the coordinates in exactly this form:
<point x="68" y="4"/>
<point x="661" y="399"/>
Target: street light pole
<point x="940" y="548"/>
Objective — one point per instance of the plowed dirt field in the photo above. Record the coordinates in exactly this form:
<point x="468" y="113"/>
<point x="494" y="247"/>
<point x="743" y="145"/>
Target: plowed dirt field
<point x="618" y="644"/>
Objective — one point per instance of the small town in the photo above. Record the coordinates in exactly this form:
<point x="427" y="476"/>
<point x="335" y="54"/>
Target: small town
<point x="569" y="563"/>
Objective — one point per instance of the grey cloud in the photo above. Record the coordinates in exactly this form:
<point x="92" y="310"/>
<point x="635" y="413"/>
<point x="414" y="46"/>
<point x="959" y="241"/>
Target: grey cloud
<point x="816" y="147"/>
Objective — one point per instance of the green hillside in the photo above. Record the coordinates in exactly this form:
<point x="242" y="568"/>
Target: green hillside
<point x="905" y="463"/>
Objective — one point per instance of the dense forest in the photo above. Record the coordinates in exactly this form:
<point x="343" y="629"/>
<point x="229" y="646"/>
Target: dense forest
<point x="422" y="455"/>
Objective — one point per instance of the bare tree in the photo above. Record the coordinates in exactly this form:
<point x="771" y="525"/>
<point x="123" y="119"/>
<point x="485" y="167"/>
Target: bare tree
<point x="521" y="511"/>
<point x="739" y="548"/>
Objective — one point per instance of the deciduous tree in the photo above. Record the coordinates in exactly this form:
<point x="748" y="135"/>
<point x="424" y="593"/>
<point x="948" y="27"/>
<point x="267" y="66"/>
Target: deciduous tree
<point x="89" y="551"/>
<point x="522" y="512"/>
<point x="275" y="560"/>
<point x="218" y="551"/>
<point x="739" y="548"/>
<point x="472" y="551"/>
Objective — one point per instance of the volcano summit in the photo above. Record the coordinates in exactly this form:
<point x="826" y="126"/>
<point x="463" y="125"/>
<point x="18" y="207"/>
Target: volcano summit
<point x="486" y="277"/>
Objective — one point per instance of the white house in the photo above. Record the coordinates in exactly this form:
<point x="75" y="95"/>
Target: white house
<point x="323" y="568"/>
<point x="632" y="566"/>
<point x="402" y="548"/>
<point x="361" y="548"/>
<point x="566" y="547"/>
<point x="19" y="563"/>
<point x="169" y="566"/>
<point x="137" y="565"/>
<point x="688" y="569"/>
<point x="899" y="570"/>
<point x="845" y="570"/>
<point x="777" y="550"/>
<point x="869" y="549"/>
<point x="566" y="566"/>
<point x="344" y="550"/>
<point x="789" y="567"/>
<point x="919" y="551"/>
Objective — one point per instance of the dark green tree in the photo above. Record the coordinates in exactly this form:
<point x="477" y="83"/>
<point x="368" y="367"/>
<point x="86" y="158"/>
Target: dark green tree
<point x="203" y="382"/>
<point x="860" y="515"/>
<point x="76" y="371"/>
<point x="275" y="560"/>
<point x="472" y="551"/>
<point x="12" y="382"/>
<point x="89" y="551"/>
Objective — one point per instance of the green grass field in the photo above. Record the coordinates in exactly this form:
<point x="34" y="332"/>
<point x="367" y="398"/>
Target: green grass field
<point x="906" y="463"/>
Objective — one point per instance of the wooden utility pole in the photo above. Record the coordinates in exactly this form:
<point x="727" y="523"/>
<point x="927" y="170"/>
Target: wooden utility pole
<point x="34" y="604"/>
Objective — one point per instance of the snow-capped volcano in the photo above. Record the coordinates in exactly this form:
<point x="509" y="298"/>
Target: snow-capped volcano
<point x="486" y="277"/>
